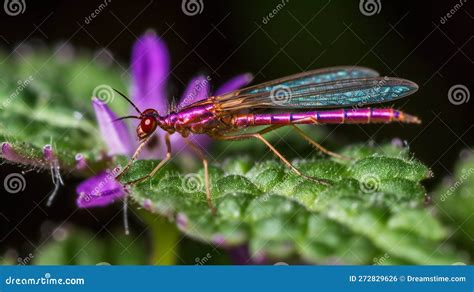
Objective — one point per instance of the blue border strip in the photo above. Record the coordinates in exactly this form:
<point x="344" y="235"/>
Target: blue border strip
<point x="238" y="278"/>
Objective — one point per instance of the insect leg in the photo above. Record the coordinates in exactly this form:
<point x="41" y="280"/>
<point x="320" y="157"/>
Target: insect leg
<point x="155" y="170"/>
<point x="319" y="146"/>
<point x="134" y="157"/>
<point x="259" y="136"/>
<point x="201" y="154"/>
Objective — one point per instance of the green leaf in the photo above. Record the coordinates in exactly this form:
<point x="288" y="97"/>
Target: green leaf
<point x="454" y="200"/>
<point x="373" y="209"/>
<point x="46" y="99"/>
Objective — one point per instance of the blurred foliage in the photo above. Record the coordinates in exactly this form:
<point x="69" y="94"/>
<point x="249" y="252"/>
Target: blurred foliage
<point x="285" y="139"/>
<point x="373" y="210"/>
<point x="81" y="247"/>
<point x="29" y="119"/>
<point x="454" y="200"/>
<point x="74" y="246"/>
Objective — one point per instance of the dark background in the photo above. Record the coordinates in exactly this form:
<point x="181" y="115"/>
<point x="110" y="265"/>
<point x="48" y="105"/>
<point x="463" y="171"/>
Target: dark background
<point x="405" y="39"/>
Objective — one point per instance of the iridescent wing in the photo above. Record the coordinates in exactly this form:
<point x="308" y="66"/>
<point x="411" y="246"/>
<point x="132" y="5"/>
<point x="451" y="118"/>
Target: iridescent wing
<point x="326" y="88"/>
<point x="313" y="77"/>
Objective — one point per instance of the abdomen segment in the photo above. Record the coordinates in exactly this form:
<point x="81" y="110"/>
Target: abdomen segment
<point x="337" y="116"/>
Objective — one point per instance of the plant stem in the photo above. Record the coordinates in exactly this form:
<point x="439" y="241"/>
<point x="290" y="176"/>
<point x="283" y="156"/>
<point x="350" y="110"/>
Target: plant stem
<point x="164" y="236"/>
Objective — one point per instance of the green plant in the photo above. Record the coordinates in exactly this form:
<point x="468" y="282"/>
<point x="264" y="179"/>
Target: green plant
<point x="373" y="213"/>
<point x="454" y="200"/>
<point x="373" y="210"/>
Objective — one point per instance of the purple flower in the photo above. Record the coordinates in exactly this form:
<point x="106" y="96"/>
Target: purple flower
<point x="150" y="67"/>
<point x="99" y="190"/>
<point x="119" y="140"/>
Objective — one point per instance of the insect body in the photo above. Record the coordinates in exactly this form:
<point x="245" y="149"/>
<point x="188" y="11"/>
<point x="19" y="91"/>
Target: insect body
<point x="338" y="95"/>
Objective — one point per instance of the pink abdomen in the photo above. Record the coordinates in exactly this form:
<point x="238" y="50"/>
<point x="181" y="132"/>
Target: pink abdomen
<point x="337" y="116"/>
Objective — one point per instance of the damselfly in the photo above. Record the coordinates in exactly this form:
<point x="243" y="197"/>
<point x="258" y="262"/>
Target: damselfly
<point x="335" y="95"/>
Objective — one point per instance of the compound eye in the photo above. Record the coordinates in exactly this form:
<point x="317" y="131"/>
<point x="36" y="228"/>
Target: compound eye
<point x="150" y="112"/>
<point x="148" y="125"/>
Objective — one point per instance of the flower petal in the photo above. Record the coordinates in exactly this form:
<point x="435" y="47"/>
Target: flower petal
<point x="240" y="255"/>
<point x="150" y="69"/>
<point x="234" y="83"/>
<point x="8" y="153"/>
<point x="201" y="140"/>
<point x="114" y="133"/>
<point x="99" y="190"/>
<point x="156" y="148"/>
<point x="178" y="145"/>
<point x="196" y="90"/>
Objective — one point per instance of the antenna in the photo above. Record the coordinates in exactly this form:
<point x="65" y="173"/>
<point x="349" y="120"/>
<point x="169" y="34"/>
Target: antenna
<point x="126" y="117"/>
<point x="127" y="99"/>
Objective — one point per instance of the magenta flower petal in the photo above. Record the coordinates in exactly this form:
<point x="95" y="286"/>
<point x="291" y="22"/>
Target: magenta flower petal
<point x="234" y="83"/>
<point x="81" y="162"/>
<point x="178" y="145"/>
<point x="159" y="149"/>
<point x="196" y="90"/>
<point x="99" y="190"/>
<point x="150" y="69"/>
<point x="201" y="140"/>
<point x="8" y="153"/>
<point x="114" y="133"/>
